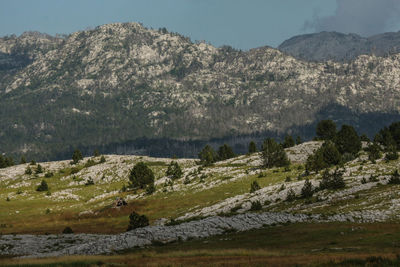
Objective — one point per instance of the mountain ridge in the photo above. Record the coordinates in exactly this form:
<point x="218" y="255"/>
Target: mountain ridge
<point x="119" y="82"/>
<point x="340" y="47"/>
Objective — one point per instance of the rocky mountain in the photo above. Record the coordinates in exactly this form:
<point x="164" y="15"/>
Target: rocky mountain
<point x="340" y="47"/>
<point x="121" y="82"/>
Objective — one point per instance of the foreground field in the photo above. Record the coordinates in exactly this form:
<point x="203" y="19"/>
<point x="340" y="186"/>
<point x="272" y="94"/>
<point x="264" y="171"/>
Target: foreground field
<point x="328" y="244"/>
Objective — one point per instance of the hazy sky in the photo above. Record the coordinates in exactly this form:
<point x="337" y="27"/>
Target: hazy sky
<point x="242" y="24"/>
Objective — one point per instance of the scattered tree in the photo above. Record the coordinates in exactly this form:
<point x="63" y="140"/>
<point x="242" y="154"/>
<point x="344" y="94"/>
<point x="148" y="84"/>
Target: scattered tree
<point x="225" y="152"/>
<point x="39" y="169"/>
<point x="392" y="153"/>
<point x="288" y="141"/>
<point x="252" y="147"/>
<point x="174" y="170"/>
<point x="298" y="140"/>
<point x="96" y="153"/>
<point x="137" y="221"/>
<point x="347" y="140"/>
<point x="307" y="190"/>
<point x="374" y="152"/>
<point x="395" y="178"/>
<point x="76" y="156"/>
<point x="254" y="187"/>
<point x="141" y="176"/>
<point x="67" y="230"/>
<point x="364" y="138"/>
<point x="89" y="181"/>
<point x="23" y="160"/>
<point x="273" y="154"/>
<point x="28" y="170"/>
<point x="255" y="205"/>
<point x="207" y="156"/>
<point x="332" y="180"/>
<point x="326" y="130"/>
<point x="43" y="186"/>
<point x="324" y="157"/>
<point x="291" y="195"/>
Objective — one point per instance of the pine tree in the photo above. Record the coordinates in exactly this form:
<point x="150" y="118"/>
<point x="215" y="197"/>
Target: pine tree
<point x="39" y="169"/>
<point x="347" y="140"/>
<point x="137" y="221"/>
<point x="273" y="154"/>
<point x="225" y="152"/>
<point x="141" y="176"/>
<point x="288" y="142"/>
<point x="252" y="147"/>
<point x="43" y="186"/>
<point x="307" y="190"/>
<point x="254" y="187"/>
<point x="298" y="140"/>
<point x="174" y="170"/>
<point x="374" y="152"/>
<point x="76" y="156"/>
<point x="326" y="130"/>
<point x="207" y="156"/>
<point x="23" y="160"/>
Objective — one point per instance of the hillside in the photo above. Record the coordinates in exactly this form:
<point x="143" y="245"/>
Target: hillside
<point x="340" y="47"/>
<point x="118" y="83"/>
<point x="206" y="201"/>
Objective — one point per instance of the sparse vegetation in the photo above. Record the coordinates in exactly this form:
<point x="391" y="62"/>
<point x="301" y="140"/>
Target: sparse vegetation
<point x="137" y="221"/>
<point x="43" y="186"/>
<point x="254" y="187"/>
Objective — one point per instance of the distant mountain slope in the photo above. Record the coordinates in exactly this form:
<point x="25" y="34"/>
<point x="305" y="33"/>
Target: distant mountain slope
<point x="340" y="47"/>
<point x="120" y="82"/>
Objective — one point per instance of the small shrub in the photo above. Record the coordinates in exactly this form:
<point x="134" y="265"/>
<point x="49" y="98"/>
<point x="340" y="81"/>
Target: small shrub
<point x="89" y="163"/>
<point x="67" y="230"/>
<point x="137" y="221"/>
<point x="261" y="175"/>
<point x="254" y="187"/>
<point x="48" y="193"/>
<point x="267" y="202"/>
<point x="255" y="205"/>
<point x="7" y="199"/>
<point x="307" y="190"/>
<point x="150" y="189"/>
<point x="363" y="180"/>
<point x="33" y="162"/>
<point x="47" y="211"/>
<point x="102" y="159"/>
<point x="28" y="170"/>
<point x="43" y="186"/>
<point x="332" y="180"/>
<point x="392" y="155"/>
<point x="39" y="169"/>
<point x="123" y="189"/>
<point x="89" y="181"/>
<point x="291" y="195"/>
<point x="283" y="187"/>
<point x="76" y="156"/>
<point x="186" y="180"/>
<point x="174" y="170"/>
<point x="74" y="170"/>
<point x="373" y="178"/>
<point x="288" y="179"/>
<point x="49" y="174"/>
<point x="96" y="153"/>
<point x="395" y="178"/>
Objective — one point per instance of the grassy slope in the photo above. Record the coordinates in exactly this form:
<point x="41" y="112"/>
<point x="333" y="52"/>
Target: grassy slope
<point x="29" y="212"/>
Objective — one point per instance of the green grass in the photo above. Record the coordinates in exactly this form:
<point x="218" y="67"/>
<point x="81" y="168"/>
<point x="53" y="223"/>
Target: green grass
<point x="325" y="244"/>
